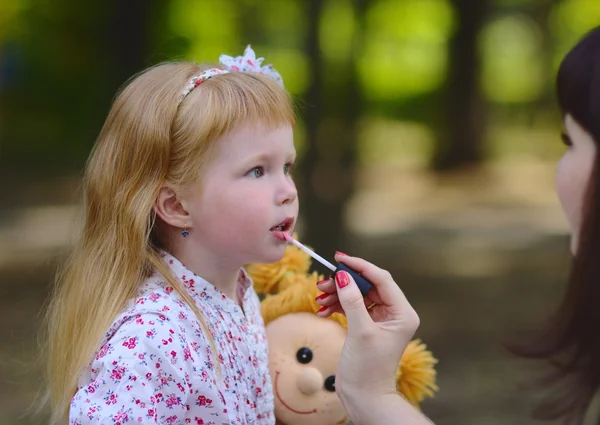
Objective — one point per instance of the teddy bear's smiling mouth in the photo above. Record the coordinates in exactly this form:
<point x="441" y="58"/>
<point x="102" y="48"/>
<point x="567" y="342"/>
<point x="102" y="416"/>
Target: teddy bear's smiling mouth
<point x="284" y="403"/>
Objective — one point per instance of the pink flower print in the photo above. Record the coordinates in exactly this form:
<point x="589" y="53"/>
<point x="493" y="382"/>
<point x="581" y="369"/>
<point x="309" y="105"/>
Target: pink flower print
<point x="117" y="374"/>
<point x="102" y="352"/>
<point x="154" y="297"/>
<point x="161" y="317"/>
<point x="186" y="353"/>
<point x="203" y="401"/>
<point x="169" y="289"/>
<point x="181" y="316"/>
<point x="172" y="400"/>
<point x="130" y="343"/>
<point x="180" y="387"/>
<point x="149" y="375"/>
<point x="121" y="416"/>
<point x="151" y="413"/>
<point x="165" y="308"/>
<point x="111" y="399"/>
<point x="203" y="294"/>
<point x="150" y="334"/>
<point x="171" y="419"/>
<point x="199" y="421"/>
<point x="173" y="354"/>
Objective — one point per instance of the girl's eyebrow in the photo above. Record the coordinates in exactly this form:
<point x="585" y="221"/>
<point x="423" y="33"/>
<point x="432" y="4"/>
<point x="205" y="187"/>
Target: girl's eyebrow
<point x="259" y="158"/>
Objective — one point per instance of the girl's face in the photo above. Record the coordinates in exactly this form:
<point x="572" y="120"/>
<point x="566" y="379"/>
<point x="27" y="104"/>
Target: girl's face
<point x="245" y="199"/>
<point x="573" y="173"/>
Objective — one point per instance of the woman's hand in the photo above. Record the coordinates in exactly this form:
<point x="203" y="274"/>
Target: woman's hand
<point x="377" y="336"/>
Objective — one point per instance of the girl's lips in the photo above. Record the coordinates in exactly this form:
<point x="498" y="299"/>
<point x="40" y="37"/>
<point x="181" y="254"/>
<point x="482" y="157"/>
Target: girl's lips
<point x="281" y="230"/>
<point x="280" y="235"/>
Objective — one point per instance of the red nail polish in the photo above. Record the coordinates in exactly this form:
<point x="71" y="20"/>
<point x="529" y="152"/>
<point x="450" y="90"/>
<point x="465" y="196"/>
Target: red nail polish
<point x="322" y="309"/>
<point x="322" y="281"/>
<point x="341" y="278"/>
<point x="322" y="297"/>
<point x="341" y="253"/>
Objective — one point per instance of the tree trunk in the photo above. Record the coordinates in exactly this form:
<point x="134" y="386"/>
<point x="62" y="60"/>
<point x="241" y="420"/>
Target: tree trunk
<point x="460" y="141"/>
<point x="131" y="37"/>
<point x="326" y="177"/>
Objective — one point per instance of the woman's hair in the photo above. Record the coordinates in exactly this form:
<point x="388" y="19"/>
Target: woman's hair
<point x="571" y="341"/>
<point x="146" y="143"/>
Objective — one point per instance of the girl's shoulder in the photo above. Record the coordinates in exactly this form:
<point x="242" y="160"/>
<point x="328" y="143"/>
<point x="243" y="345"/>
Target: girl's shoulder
<point x="156" y="309"/>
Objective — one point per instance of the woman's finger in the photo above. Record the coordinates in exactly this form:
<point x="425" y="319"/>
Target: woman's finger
<point x="327" y="285"/>
<point x="352" y="302"/>
<point x="389" y="292"/>
<point x="327" y="299"/>
<point x="328" y="311"/>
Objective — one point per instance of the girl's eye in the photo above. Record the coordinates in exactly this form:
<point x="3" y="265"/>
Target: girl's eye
<point x="256" y="172"/>
<point x="287" y="168"/>
<point x="566" y="139"/>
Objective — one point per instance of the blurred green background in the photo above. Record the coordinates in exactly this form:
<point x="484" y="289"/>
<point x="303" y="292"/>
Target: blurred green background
<point x="428" y="135"/>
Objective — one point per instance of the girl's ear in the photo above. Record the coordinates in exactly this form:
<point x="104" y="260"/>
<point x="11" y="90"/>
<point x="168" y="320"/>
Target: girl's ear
<point x="170" y="209"/>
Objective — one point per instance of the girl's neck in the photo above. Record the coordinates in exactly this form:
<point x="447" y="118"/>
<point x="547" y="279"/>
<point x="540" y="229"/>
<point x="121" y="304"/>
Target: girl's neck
<point x="211" y="268"/>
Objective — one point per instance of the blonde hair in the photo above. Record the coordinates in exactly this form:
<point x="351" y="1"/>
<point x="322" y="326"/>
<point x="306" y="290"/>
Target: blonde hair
<point x="147" y="142"/>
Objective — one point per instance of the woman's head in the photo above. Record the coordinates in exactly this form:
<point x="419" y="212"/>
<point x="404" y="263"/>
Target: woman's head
<point x="578" y="89"/>
<point x="571" y="341"/>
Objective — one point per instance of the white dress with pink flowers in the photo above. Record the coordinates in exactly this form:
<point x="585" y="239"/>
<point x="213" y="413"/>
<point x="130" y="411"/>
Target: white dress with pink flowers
<point x="155" y="365"/>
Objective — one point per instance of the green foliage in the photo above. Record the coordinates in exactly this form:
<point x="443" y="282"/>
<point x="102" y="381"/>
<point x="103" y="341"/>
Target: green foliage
<point x="405" y="47"/>
<point x="513" y="71"/>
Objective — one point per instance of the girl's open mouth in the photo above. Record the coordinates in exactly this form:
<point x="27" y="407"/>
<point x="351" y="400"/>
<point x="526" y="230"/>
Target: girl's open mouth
<point x="283" y="227"/>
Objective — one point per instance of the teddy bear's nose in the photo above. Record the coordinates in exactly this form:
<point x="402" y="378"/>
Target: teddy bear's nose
<point x="310" y="381"/>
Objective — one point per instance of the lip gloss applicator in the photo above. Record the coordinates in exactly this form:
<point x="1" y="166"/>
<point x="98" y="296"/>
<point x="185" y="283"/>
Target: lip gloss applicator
<point x="363" y="284"/>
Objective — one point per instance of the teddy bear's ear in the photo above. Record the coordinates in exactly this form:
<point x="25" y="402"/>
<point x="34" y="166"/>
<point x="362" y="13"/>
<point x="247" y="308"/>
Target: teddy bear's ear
<point x="416" y="374"/>
<point x="268" y="277"/>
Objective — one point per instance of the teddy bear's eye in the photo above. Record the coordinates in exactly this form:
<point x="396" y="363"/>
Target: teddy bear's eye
<point x="330" y="383"/>
<point x="304" y="355"/>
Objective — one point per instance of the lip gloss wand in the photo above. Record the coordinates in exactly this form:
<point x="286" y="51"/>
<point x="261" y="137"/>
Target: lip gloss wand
<point x="363" y="284"/>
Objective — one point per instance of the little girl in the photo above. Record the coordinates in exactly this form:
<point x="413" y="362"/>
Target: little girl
<point x="154" y="319"/>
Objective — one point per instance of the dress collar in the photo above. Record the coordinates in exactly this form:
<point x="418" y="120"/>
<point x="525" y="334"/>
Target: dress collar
<point x="203" y="291"/>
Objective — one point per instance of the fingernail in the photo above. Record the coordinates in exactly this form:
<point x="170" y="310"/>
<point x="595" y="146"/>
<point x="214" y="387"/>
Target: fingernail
<point x="322" y="297"/>
<point x="322" y="281"/>
<point x="322" y="309"/>
<point x="342" y="280"/>
<point x="340" y="253"/>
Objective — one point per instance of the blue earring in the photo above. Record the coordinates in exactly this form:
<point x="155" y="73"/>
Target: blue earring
<point x="185" y="232"/>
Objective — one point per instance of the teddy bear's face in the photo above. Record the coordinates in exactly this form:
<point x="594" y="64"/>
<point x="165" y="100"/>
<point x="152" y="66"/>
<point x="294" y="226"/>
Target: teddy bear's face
<point x="304" y="350"/>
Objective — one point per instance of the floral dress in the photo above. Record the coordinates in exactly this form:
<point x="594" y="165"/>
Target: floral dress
<point x="156" y="365"/>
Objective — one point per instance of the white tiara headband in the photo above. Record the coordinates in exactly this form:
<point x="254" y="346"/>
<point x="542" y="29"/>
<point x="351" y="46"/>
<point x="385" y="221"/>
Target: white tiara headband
<point x="246" y="63"/>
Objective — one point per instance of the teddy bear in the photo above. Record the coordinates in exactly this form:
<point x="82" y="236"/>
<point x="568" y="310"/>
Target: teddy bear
<point x="304" y="348"/>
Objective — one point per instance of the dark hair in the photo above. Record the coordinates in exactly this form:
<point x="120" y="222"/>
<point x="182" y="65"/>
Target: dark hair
<point x="571" y="341"/>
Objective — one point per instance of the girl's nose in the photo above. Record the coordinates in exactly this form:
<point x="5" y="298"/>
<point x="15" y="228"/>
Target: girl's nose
<point x="310" y="381"/>
<point x="288" y="193"/>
